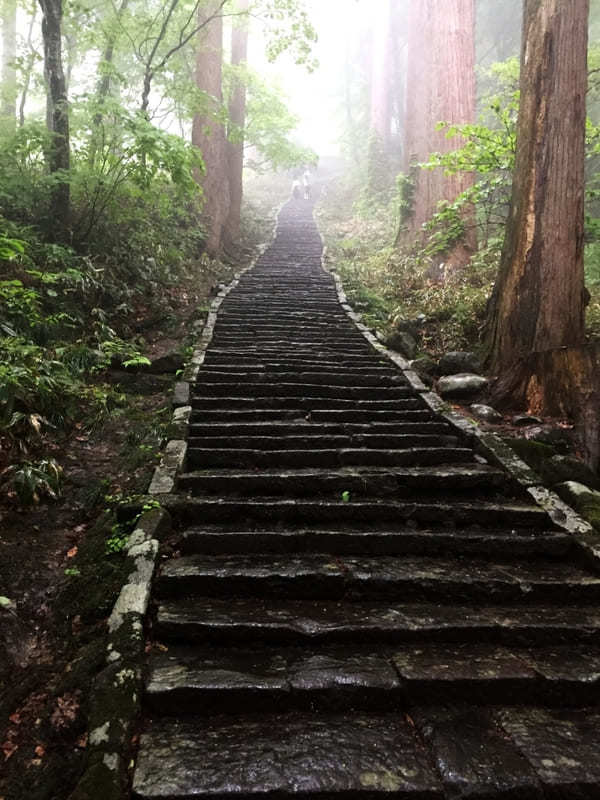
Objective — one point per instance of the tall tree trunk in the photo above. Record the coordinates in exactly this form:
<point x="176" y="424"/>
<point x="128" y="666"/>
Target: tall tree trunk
<point x="208" y="132"/>
<point x="30" y="61"/>
<point x="58" y="113"/>
<point x="378" y="170"/>
<point x="8" y="78"/>
<point x="538" y="300"/>
<point x="237" y="119"/>
<point x="103" y="86"/>
<point x="440" y="88"/>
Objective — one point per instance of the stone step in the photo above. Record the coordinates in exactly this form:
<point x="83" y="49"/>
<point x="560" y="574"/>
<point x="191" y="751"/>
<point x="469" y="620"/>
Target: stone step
<point x="333" y="370"/>
<point x="357" y="513"/>
<point x="208" y="680"/>
<point x="371" y="481"/>
<point x="285" y="428"/>
<point x="300" y="401"/>
<point x="204" y="388"/>
<point x="232" y="619"/>
<point x="335" y="416"/>
<point x="503" y="545"/>
<point x="278" y="756"/>
<point x="316" y="442"/>
<point x="295" y="357"/>
<point x="406" y="578"/>
<point x="207" y="458"/>
<point x="308" y="380"/>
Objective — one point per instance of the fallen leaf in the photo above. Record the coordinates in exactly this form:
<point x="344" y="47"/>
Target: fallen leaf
<point x="40" y="751"/>
<point x="9" y="749"/>
<point x="66" y="711"/>
<point x="82" y="741"/>
<point x="72" y="552"/>
<point x="15" y="718"/>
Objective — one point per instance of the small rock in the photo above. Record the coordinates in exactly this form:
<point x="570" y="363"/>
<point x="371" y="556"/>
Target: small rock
<point x="170" y="362"/>
<point x="486" y="413"/>
<point x="584" y="500"/>
<point x="522" y="420"/>
<point x="403" y="342"/>
<point x="425" y="365"/>
<point x="559" y="438"/>
<point x="568" y="468"/>
<point x="409" y="325"/>
<point x="462" y="385"/>
<point x="459" y="362"/>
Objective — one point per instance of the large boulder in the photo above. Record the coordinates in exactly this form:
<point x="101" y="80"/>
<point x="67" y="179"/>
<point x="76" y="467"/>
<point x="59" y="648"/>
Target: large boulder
<point x="459" y="361"/>
<point x="463" y="385"/>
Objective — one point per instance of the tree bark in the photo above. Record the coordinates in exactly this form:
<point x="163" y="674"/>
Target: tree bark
<point x="538" y="300"/>
<point x="31" y="55"/>
<point x="8" y="78"/>
<point x="566" y="383"/>
<point x="237" y="119"/>
<point x="57" y="113"/>
<point x="440" y="88"/>
<point x="208" y="132"/>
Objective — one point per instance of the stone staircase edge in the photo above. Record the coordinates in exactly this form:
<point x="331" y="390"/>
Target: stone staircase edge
<point x="486" y="444"/>
<point x="115" y="700"/>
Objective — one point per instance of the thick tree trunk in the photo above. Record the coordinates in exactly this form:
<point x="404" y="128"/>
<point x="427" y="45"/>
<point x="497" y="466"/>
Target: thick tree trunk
<point x="565" y="383"/>
<point x="208" y="133"/>
<point x="58" y="113"/>
<point x="440" y="88"/>
<point x="538" y="300"/>
<point x="237" y="119"/>
<point x="8" y="78"/>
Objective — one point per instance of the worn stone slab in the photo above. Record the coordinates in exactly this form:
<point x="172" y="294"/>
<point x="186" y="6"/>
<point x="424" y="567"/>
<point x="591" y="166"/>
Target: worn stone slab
<point x="316" y="575"/>
<point x="474" y="759"/>
<point x="303" y="620"/>
<point x="561" y="745"/>
<point x="288" y="756"/>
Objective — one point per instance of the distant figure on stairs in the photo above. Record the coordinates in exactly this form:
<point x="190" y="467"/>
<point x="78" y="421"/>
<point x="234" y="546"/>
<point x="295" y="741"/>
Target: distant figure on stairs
<point x="296" y="189"/>
<point x="306" y="182"/>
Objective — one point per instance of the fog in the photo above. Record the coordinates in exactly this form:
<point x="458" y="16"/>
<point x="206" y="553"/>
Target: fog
<point x="316" y="97"/>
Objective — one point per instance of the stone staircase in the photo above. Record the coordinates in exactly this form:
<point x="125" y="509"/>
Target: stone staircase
<point x="361" y="608"/>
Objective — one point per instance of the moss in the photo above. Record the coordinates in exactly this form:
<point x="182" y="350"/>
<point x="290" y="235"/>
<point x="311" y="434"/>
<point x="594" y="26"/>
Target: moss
<point x="535" y="454"/>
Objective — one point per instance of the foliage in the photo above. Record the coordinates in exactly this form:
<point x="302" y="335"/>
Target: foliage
<point x="32" y="481"/>
<point x="269" y="124"/>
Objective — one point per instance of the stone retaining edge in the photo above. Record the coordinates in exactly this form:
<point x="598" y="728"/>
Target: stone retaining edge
<point x="115" y="702"/>
<point x="485" y="443"/>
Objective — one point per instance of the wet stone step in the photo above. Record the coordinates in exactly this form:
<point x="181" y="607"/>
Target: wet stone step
<point x="354" y="481"/>
<point x="336" y="416"/>
<point x="223" y="680"/>
<point x="300" y="401"/>
<point x="333" y="371"/>
<point x="205" y="680"/>
<point x="322" y="512"/>
<point x="318" y="441"/>
<point x="301" y="621"/>
<point x="307" y="380"/>
<point x="360" y="577"/>
<point x="247" y="389"/>
<point x="501" y="545"/>
<point x="279" y="756"/>
<point x="275" y="428"/>
<point x="205" y="458"/>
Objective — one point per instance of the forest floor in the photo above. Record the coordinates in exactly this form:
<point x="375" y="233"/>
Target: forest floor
<point x="61" y="563"/>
